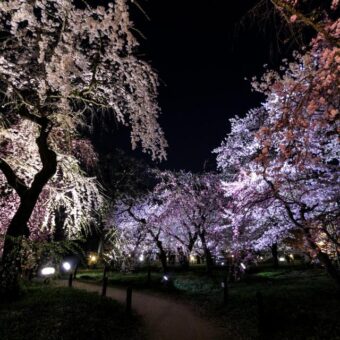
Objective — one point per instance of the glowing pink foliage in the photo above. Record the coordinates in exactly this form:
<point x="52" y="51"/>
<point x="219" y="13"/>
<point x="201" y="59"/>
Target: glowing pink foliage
<point x="281" y="162"/>
<point x="78" y="194"/>
<point x="184" y="213"/>
<point x="61" y="63"/>
<point x="72" y="59"/>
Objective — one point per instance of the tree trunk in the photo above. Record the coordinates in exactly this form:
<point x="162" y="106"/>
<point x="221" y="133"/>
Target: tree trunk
<point x="18" y="227"/>
<point x="275" y="255"/>
<point x="331" y="269"/>
<point x="162" y="257"/>
<point x="323" y="258"/>
<point x="338" y="257"/>
<point x="191" y="244"/>
<point x="208" y="257"/>
<point x="183" y="258"/>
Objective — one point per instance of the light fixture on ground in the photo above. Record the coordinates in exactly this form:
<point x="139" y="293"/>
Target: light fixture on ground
<point x="47" y="271"/>
<point x="282" y="259"/>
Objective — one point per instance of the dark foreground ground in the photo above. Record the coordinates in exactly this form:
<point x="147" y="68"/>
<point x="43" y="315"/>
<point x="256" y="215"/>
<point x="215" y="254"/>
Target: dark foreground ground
<point x="295" y="303"/>
<point x="44" y="312"/>
<point x="164" y="318"/>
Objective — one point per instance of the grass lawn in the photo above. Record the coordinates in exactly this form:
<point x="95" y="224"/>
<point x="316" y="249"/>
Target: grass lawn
<point x="44" y="312"/>
<point x="136" y="280"/>
<point x="298" y="303"/>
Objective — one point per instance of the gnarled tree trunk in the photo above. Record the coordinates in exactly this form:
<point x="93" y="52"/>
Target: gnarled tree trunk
<point x="207" y="253"/>
<point x="323" y="257"/>
<point x="10" y="262"/>
<point x="162" y="256"/>
<point x="274" y="251"/>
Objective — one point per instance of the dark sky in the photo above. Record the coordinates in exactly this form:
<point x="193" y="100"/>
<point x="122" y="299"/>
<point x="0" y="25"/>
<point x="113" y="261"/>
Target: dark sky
<point x="202" y="55"/>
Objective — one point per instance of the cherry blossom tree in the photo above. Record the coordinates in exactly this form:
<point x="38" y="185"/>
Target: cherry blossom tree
<point x="78" y="196"/>
<point x="139" y="223"/>
<point x="194" y="212"/>
<point x="183" y="236"/>
<point x="296" y="20"/>
<point x="60" y="64"/>
<point x="312" y="14"/>
<point x="281" y="162"/>
<point x="182" y="215"/>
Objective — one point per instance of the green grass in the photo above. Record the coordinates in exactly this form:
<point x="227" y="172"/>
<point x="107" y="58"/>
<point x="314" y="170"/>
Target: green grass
<point x="299" y="303"/>
<point x="44" y="312"/>
<point x="136" y="280"/>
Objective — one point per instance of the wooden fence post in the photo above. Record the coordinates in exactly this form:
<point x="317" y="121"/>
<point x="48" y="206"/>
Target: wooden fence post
<point x="149" y="276"/>
<point x="128" y="299"/>
<point x="225" y="290"/>
<point x="105" y="281"/>
<point x="261" y="317"/>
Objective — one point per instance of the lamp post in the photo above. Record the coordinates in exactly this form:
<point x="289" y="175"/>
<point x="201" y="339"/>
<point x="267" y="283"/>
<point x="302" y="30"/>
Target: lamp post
<point x="68" y="268"/>
<point x="105" y="280"/>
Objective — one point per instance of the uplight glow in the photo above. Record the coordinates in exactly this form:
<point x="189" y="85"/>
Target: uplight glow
<point x="47" y="271"/>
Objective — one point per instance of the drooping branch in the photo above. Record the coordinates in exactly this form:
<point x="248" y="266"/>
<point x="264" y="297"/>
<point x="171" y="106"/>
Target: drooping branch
<point x="282" y="5"/>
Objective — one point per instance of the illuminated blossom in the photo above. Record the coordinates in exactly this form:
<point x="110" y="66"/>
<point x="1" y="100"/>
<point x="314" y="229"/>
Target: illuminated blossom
<point x="281" y="161"/>
<point x="182" y="215"/>
<point x="78" y="196"/>
<point x="61" y="66"/>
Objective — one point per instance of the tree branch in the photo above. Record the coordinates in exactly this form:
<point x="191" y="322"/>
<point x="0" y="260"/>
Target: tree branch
<point x="25" y="113"/>
<point x="47" y="156"/>
<point x="13" y="180"/>
<point x="279" y="4"/>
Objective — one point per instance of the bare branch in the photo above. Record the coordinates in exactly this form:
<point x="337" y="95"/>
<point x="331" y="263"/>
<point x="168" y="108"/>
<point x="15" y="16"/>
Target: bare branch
<point x="13" y="180"/>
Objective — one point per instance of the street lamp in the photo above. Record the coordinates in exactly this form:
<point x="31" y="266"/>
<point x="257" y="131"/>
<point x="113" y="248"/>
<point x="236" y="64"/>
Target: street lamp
<point x="92" y="259"/>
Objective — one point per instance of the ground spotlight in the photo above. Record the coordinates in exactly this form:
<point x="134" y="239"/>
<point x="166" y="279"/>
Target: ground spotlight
<point x="46" y="271"/>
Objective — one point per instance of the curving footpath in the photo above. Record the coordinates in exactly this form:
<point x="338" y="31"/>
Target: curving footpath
<point x="164" y="319"/>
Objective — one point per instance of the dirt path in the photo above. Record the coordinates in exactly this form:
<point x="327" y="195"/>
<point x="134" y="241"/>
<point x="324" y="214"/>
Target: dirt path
<point x="164" y="319"/>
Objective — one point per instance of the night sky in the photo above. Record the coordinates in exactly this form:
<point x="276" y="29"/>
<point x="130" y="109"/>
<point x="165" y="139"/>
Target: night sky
<point x="202" y="54"/>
